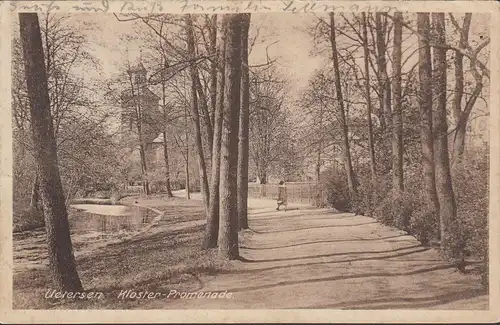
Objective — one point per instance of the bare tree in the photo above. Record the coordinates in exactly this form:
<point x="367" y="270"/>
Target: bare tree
<point x="228" y="231"/>
<point x="61" y="259"/>
<point x="462" y="112"/>
<point x="137" y="84"/>
<point x="213" y="68"/>
<point x="70" y="99"/>
<point x="212" y="227"/>
<point x="195" y="86"/>
<point x="270" y="128"/>
<point x="397" y="118"/>
<point x="338" y="87"/>
<point x="385" y="84"/>
<point x="445" y="194"/>
<point x="366" y="53"/>
<point x="243" y="146"/>
<point x="425" y="101"/>
<point x="186" y="135"/>
<point x="164" y="67"/>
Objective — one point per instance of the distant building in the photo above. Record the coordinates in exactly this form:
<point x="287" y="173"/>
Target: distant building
<point x="139" y="103"/>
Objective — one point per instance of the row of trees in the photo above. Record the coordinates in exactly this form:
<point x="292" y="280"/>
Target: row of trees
<point x="382" y="104"/>
<point x="379" y="108"/>
<point x="80" y="124"/>
<point x="227" y="129"/>
<point x="202" y="75"/>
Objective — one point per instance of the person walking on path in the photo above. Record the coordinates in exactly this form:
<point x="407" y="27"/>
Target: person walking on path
<point x="282" y="196"/>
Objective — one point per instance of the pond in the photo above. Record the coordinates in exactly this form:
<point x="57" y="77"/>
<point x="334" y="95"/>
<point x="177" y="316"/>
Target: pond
<point x="108" y="218"/>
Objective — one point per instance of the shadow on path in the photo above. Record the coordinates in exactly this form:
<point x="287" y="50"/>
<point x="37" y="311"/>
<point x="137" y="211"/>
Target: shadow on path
<point x="323" y="242"/>
<point x="317" y="258"/>
<point x="330" y="255"/>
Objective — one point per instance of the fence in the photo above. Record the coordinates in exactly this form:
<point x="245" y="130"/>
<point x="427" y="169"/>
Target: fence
<point x="298" y="192"/>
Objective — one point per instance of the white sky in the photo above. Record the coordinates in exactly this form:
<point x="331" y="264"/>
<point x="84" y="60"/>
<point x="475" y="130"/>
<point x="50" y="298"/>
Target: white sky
<point x="291" y="45"/>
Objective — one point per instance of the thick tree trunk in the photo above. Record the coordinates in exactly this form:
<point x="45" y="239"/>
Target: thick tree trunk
<point x="196" y="116"/>
<point x="371" y="147"/>
<point x="345" y="130"/>
<point x="243" y="145"/>
<point x="425" y="101"/>
<point x="212" y="227"/>
<point x="60" y="251"/>
<point x="397" y="118"/>
<point x="228" y="231"/>
<point x="35" y="195"/>
<point x="446" y="196"/>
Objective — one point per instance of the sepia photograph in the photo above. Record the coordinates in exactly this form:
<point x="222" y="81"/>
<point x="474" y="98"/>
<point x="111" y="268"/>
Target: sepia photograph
<point x="218" y="161"/>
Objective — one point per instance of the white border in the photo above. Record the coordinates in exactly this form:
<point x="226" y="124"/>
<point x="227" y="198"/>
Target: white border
<point x="203" y="316"/>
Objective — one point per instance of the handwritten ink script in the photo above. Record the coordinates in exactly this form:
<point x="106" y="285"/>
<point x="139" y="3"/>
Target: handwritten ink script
<point x="194" y="6"/>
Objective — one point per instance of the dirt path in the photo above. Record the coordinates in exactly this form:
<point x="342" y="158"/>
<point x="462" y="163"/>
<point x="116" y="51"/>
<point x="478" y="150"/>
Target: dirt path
<point x="313" y="258"/>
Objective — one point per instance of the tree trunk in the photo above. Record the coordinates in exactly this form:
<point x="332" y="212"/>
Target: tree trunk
<point x="213" y="70"/>
<point x="196" y="116"/>
<point x="345" y="129"/>
<point x="243" y="145"/>
<point x="425" y="102"/>
<point x="385" y="86"/>
<point x="60" y="250"/>
<point x="144" y="168"/>
<point x="167" y="166"/>
<point x="139" y="119"/>
<point x="228" y="231"/>
<point x="446" y="197"/>
<point x="262" y="175"/>
<point x="462" y="116"/>
<point x="165" y="144"/>
<point x="319" y="191"/>
<point x="371" y="147"/>
<point x="188" y="195"/>
<point x="461" y="127"/>
<point x="212" y="227"/>
<point x="35" y="195"/>
<point x="397" y="118"/>
<point x="459" y="142"/>
<point x="204" y="107"/>
<point x="318" y="177"/>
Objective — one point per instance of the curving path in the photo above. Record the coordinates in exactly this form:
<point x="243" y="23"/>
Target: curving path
<point x="314" y="258"/>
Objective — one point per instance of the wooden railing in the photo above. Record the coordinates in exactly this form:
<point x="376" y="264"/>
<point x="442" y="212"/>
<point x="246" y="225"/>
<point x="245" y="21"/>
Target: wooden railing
<point x="298" y="192"/>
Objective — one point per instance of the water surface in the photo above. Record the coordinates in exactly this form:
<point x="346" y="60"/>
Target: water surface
<point x="108" y="218"/>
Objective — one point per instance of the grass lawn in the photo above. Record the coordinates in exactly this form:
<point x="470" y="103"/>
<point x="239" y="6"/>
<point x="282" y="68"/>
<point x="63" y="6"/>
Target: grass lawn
<point x="166" y="257"/>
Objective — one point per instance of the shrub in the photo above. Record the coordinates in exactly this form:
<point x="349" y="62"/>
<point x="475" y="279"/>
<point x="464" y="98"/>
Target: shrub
<point x="28" y="219"/>
<point x="369" y="195"/>
<point x="396" y="210"/>
<point x="423" y="224"/>
<point x="469" y="235"/>
<point x="337" y="194"/>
